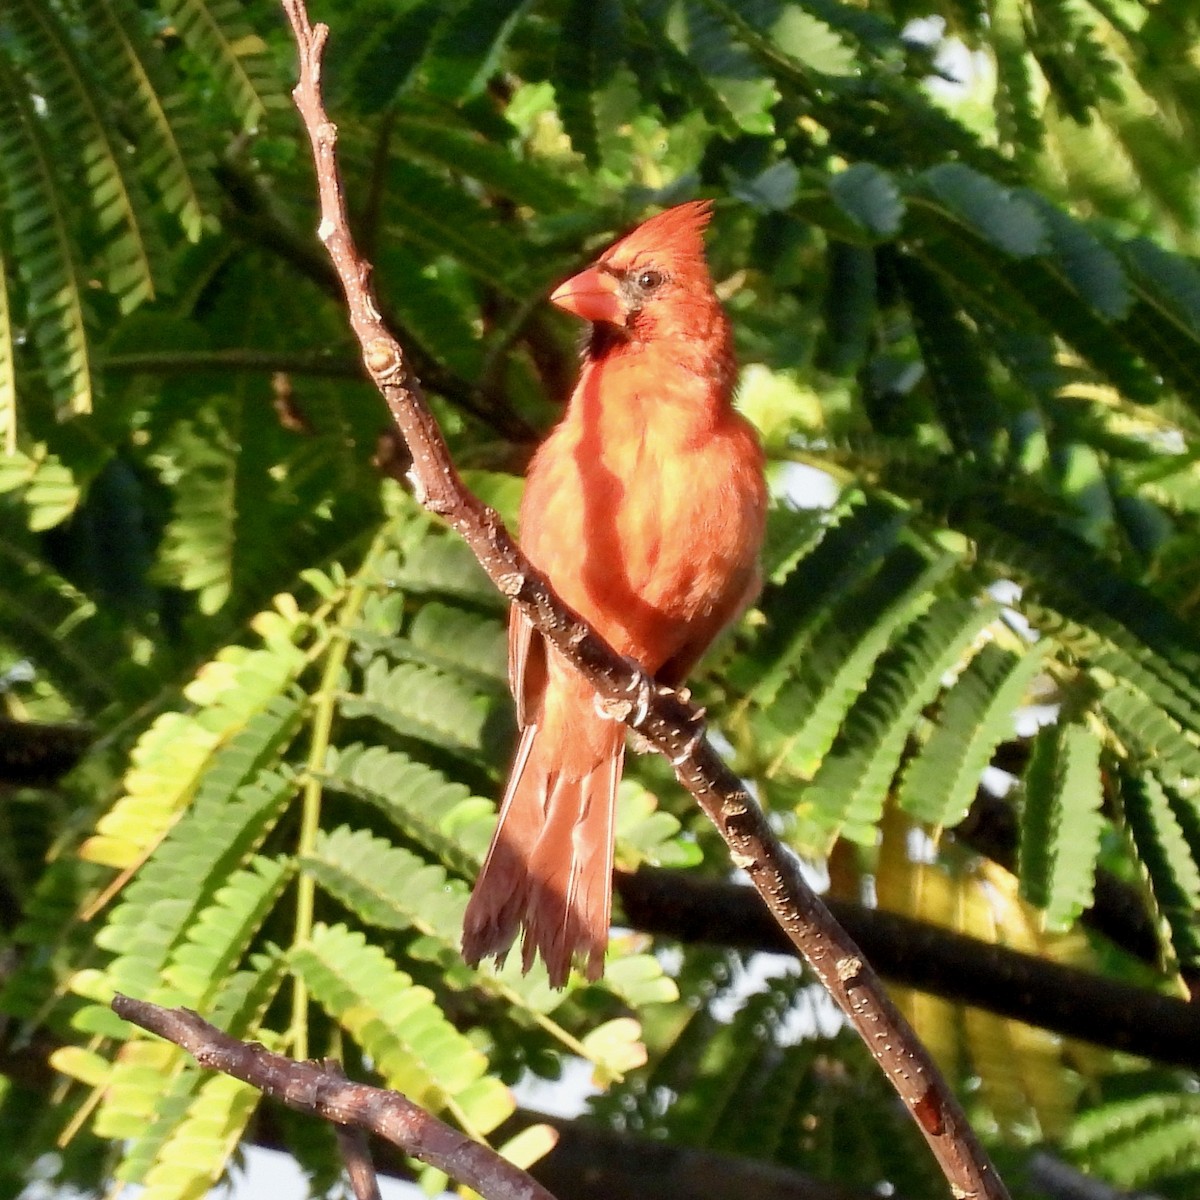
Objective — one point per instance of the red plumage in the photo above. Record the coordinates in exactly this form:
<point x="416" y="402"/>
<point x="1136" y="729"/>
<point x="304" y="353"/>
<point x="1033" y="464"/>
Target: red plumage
<point x="645" y="507"/>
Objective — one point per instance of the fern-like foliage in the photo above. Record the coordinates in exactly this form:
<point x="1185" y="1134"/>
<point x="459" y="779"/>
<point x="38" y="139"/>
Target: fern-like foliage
<point x="762" y="1070"/>
<point x="41" y="244"/>
<point x="206" y="874"/>
<point x="1139" y="1135"/>
<point x="109" y="177"/>
<point x="971" y="308"/>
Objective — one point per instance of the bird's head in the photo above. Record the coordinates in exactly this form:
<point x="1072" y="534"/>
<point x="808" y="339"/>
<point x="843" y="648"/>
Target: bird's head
<point x="651" y="283"/>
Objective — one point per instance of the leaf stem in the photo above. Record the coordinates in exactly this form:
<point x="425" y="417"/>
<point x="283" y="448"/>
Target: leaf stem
<point x="324" y="707"/>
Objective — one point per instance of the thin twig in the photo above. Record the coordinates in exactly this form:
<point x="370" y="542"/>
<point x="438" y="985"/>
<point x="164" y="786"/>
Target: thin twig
<point x="672" y="726"/>
<point x="242" y="358"/>
<point x="352" y="1145"/>
<point x="356" y="1157"/>
<point x="308" y="1087"/>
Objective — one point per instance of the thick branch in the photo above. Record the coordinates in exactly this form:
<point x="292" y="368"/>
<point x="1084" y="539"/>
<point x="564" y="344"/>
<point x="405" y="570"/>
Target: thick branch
<point x="1064" y="1000"/>
<point x="589" y="1163"/>
<point x="672" y="727"/>
<point x="38" y="754"/>
<point x="307" y="1087"/>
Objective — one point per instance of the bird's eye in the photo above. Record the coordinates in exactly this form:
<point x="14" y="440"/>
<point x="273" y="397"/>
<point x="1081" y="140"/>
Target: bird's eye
<point x="648" y="280"/>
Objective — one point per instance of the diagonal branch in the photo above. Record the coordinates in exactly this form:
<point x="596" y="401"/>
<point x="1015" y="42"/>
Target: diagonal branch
<point x="312" y="1088"/>
<point x="672" y="726"/>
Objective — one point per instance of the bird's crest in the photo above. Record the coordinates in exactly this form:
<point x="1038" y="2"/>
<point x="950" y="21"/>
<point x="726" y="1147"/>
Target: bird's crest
<point x="677" y="234"/>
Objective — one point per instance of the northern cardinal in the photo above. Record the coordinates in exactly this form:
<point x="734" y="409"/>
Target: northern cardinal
<point x="645" y="508"/>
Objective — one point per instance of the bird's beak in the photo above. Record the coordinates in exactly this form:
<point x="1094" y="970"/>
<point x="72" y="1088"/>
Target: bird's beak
<point x="592" y="295"/>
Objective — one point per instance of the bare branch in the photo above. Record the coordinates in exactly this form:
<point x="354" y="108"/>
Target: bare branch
<point x="673" y="727"/>
<point x="356" y="1154"/>
<point x="249" y="358"/>
<point x="312" y="1088"/>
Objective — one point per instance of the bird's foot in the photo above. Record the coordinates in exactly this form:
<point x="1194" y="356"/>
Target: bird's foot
<point x="635" y="707"/>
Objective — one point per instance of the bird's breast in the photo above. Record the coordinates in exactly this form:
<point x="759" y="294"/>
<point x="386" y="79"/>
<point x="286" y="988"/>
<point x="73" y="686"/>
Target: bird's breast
<point x="645" y="514"/>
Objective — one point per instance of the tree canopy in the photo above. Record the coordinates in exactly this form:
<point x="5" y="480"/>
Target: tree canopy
<point x="253" y="708"/>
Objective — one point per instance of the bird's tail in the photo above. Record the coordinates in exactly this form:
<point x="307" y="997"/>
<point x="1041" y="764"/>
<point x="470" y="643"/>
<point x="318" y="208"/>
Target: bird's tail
<point x="549" y="867"/>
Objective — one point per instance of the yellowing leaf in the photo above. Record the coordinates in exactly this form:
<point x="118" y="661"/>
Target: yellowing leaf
<point x="616" y="1047"/>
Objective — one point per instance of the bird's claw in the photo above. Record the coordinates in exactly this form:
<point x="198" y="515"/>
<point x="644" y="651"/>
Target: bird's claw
<point x="645" y="693"/>
<point x="632" y="711"/>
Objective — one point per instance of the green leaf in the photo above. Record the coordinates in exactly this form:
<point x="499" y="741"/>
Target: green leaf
<point x="1075" y="594"/>
<point x="44" y="249"/>
<point x="1171" y="276"/>
<point x="1139" y="1140"/>
<point x="387" y="886"/>
<point x="870" y="197"/>
<point x="809" y="40"/>
<point x="1039" y="296"/>
<point x="160" y="906"/>
<point x="429" y="311"/>
<point x="850" y="306"/>
<point x="135" y="253"/>
<point x="772" y="190"/>
<point x="962" y="390"/>
<point x="444" y="219"/>
<point x="421" y="803"/>
<point x="746" y="90"/>
<point x="999" y="215"/>
<point x="832" y="674"/>
<point x="1017" y="106"/>
<point x="1152" y="737"/>
<point x="456" y="639"/>
<point x="976" y="715"/>
<point x="649" y="42"/>
<point x="1092" y="269"/>
<point x="424" y="704"/>
<point x="442" y="566"/>
<point x="588" y="52"/>
<point x="465" y="51"/>
<point x="411" y="1043"/>
<point x="217" y="33"/>
<point x="216" y="940"/>
<point x="195" y="1155"/>
<point x="847" y="793"/>
<point x="855" y="542"/>
<point x="1168" y="860"/>
<point x="460" y="148"/>
<point x="1061" y="822"/>
<point x="170" y="150"/>
<point x="198" y="547"/>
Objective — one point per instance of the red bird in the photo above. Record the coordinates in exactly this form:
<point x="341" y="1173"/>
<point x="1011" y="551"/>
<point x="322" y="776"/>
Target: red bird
<point x="645" y="508"/>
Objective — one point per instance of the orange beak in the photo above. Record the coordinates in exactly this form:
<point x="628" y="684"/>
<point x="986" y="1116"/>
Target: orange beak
<point x="592" y="295"/>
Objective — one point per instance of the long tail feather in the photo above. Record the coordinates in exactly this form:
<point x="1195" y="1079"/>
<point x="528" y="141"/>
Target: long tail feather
<point x="549" y="868"/>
